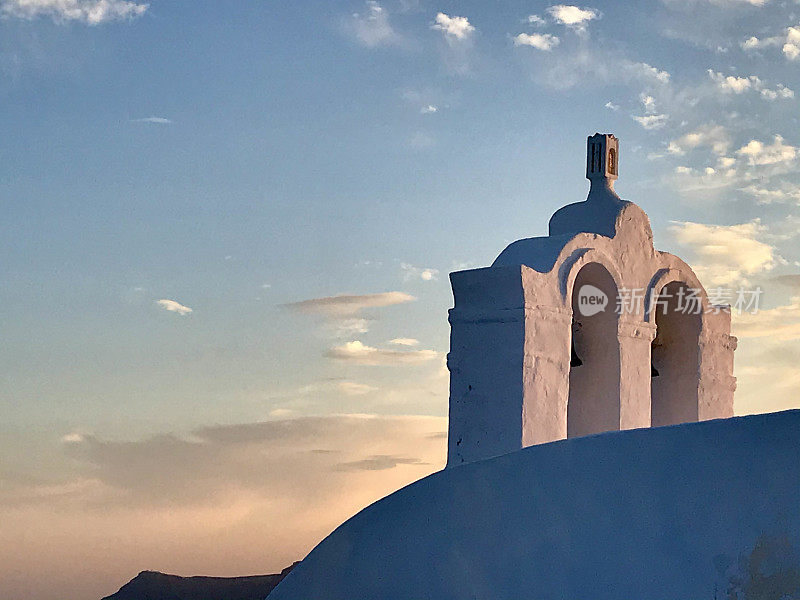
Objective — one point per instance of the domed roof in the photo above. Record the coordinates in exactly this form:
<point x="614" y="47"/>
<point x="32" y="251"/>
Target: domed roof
<point x="602" y="213"/>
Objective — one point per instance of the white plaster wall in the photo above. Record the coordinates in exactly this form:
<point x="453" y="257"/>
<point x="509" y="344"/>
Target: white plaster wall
<point x="486" y="364"/>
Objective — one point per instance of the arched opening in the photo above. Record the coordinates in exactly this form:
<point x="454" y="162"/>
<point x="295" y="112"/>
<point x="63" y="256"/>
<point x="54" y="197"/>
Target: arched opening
<point x="593" y="404"/>
<point x="612" y="161"/>
<point x="675" y="356"/>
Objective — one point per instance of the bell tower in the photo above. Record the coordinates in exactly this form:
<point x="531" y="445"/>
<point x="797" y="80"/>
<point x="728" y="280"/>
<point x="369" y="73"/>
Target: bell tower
<point x="529" y="364"/>
<point x="602" y="157"/>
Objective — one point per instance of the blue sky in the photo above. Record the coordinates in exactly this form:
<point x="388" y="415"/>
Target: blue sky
<point x="242" y="161"/>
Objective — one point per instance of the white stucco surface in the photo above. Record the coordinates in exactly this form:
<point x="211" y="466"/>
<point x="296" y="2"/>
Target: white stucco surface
<point x="669" y="513"/>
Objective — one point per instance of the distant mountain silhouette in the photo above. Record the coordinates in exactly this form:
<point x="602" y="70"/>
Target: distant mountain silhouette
<point x="152" y="585"/>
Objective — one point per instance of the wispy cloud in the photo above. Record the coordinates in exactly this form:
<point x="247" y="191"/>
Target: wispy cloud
<point x="372" y="27"/>
<point x="404" y="342"/>
<point x="410" y="272"/>
<point x="421" y="140"/>
<point x="91" y="12"/>
<point x="156" y="120"/>
<point x="536" y="20"/>
<point x="709" y="135"/>
<point x="651" y="121"/>
<point x="378" y="462"/>
<point x="781" y="323"/>
<point x="358" y="353"/>
<point x="345" y="314"/>
<point x="348" y="388"/>
<point x="173" y="306"/>
<point x="349" y="305"/>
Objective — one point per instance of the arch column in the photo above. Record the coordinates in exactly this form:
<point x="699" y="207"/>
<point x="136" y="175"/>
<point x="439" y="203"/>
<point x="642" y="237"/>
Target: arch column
<point x="717" y="383"/>
<point x="635" y="338"/>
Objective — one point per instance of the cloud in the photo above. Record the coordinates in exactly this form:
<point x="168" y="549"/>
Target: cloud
<point x="348" y="305"/>
<point x="404" y="342"/>
<point x="725" y="255"/>
<point x="536" y="20"/>
<point x="195" y="468"/>
<point x="738" y="85"/>
<point x="345" y="314"/>
<point x="421" y="140"/>
<point x="723" y="3"/>
<point x="573" y="16"/>
<point x="648" y="102"/>
<point x="157" y="120"/>
<point x="429" y="109"/>
<point x="91" y="12"/>
<point x="711" y="136"/>
<point x="458" y="28"/>
<point x="540" y="41"/>
<point x="352" y="388"/>
<point x="348" y="388"/>
<point x="410" y="272"/>
<point x="611" y="106"/>
<point x="372" y="28"/>
<point x="580" y="64"/>
<point x="173" y="306"/>
<point x="646" y="72"/>
<point x="378" y="462"/>
<point x="203" y="500"/>
<point x="651" y="121"/>
<point x="361" y="354"/>
<point x="759" y="153"/>
<point x="779" y="324"/>
<point x="786" y="193"/>
<point x="73" y="438"/>
<point x="788" y="42"/>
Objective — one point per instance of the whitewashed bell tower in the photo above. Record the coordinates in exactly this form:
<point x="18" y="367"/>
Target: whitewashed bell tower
<point x="529" y="364"/>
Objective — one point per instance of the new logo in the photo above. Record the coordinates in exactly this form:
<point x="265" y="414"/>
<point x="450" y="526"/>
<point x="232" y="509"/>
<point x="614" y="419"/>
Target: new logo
<point x="591" y="300"/>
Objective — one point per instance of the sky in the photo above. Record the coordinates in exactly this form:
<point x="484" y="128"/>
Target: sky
<point x="228" y="226"/>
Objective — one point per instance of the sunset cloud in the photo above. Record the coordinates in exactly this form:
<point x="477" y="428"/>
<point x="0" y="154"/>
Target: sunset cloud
<point x="349" y="305"/>
<point x="725" y="255"/>
<point x="358" y="353"/>
<point x="159" y="499"/>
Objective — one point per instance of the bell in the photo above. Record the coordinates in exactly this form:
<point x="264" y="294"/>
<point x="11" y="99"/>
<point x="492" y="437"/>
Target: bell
<point x="575" y="360"/>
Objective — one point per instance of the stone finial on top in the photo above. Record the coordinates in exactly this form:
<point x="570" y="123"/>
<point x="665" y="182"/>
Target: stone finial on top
<point x="602" y="157"/>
